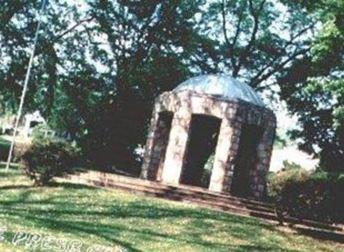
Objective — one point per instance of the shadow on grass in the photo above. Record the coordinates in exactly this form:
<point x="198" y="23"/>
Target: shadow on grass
<point x="10" y="187"/>
<point x="76" y="210"/>
<point x="51" y="185"/>
<point x="67" y="185"/>
<point x="321" y="235"/>
<point x="68" y="214"/>
<point x="109" y="232"/>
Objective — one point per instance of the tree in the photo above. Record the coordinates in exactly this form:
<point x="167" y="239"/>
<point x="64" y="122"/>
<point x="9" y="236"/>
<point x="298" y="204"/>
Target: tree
<point x="254" y="40"/>
<point x="100" y="64"/>
<point x="98" y="67"/>
<point x="314" y="88"/>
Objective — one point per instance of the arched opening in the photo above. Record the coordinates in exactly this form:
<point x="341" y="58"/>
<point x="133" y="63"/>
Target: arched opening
<point x="198" y="164"/>
<point x="246" y="159"/>
<point x="161" y="138"/>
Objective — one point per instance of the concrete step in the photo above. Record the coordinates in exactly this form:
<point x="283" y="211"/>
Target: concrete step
<point x="186" y="193"/>
<point x="176" y="196"/>
<point x="193" y="189"/>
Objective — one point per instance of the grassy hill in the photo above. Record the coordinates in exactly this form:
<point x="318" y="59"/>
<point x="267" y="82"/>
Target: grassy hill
<point x="86" y="217"/>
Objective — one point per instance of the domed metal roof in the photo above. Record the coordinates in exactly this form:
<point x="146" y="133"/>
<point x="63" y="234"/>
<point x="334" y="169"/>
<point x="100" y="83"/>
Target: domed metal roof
<point x="222" y="86"/>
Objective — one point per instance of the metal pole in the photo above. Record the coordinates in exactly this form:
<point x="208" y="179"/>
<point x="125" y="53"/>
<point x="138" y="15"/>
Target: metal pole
<point x="27" y="77"/>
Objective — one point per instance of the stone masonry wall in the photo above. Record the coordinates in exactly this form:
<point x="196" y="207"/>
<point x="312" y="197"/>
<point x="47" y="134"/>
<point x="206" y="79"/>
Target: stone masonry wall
<point x="233" y="114"/>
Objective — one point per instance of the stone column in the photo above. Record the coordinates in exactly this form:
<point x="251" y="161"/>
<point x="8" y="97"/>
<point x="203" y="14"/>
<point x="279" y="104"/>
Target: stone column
<point x="226" y="150"/>
<point x="149" y="146"/>
<point x="264" y="149"/>
<point x="176" y="147"/>
<point x="232" y="154"/>
<point x="221" y="160"/>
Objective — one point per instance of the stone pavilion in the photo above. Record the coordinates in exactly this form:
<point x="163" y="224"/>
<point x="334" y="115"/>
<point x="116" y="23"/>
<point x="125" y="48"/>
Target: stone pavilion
<point x="211" y="131"/>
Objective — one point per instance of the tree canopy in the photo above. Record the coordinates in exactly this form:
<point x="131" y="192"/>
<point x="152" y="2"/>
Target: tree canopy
<point x="314" y="88"/>
<point x="100" y="64"/>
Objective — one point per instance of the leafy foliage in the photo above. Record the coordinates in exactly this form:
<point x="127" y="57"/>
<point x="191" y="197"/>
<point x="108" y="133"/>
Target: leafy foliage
<point x="38" y="132"/>
<point x="303" y="194"/>
<point x="46" y="159"/>
<point x="255" y="40"/>
<point x="314" y="89"/>
<point x="100" y="64"/>
<point x="290" y="173"/>
<point x="4" y="148"/>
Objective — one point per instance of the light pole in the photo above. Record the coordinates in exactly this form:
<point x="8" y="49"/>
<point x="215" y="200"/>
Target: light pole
<point x="27" y="77"/>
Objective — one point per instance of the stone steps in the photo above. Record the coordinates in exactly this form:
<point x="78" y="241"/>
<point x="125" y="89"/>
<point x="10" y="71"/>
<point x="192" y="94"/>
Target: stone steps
<point x="199" y="196"/>
<point x="192" y="189"/>
<point x="178" y="195"/>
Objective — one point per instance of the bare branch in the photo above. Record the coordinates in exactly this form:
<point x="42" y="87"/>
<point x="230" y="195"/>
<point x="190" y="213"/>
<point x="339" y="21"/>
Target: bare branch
<point x="238" y="28"/>
<point x="236" y="36"/>
<point x="277" y="68"/>
<point x="224" y="21"/>
<point x="274" y="60"/>
<point x="255" y="14"/>
<point x="73" y="27"/>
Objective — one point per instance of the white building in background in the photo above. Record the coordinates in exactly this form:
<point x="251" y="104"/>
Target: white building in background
<point x="31" y="121"/>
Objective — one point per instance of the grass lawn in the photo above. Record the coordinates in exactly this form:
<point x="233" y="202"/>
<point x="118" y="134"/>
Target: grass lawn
<point x="88" y="217"/>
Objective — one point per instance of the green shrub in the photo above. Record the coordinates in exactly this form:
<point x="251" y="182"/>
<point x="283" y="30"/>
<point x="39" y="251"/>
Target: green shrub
<point x="318" y="195"/>
<point x="4" y="149"/>
<point x="38" y="132"/>
<point x="290" y="173"/>
<point x="46" y="159"/>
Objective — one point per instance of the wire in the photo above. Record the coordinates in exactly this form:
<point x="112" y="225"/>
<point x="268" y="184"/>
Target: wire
<point x="26" y="82"/>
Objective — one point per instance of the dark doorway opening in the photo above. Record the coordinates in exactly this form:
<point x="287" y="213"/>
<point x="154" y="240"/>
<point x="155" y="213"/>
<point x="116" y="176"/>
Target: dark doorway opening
<point x="246" y="159"/>
<point x="161" y="138"/>
<point x="34" y="124"/>
<point x="204" y="132"/>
